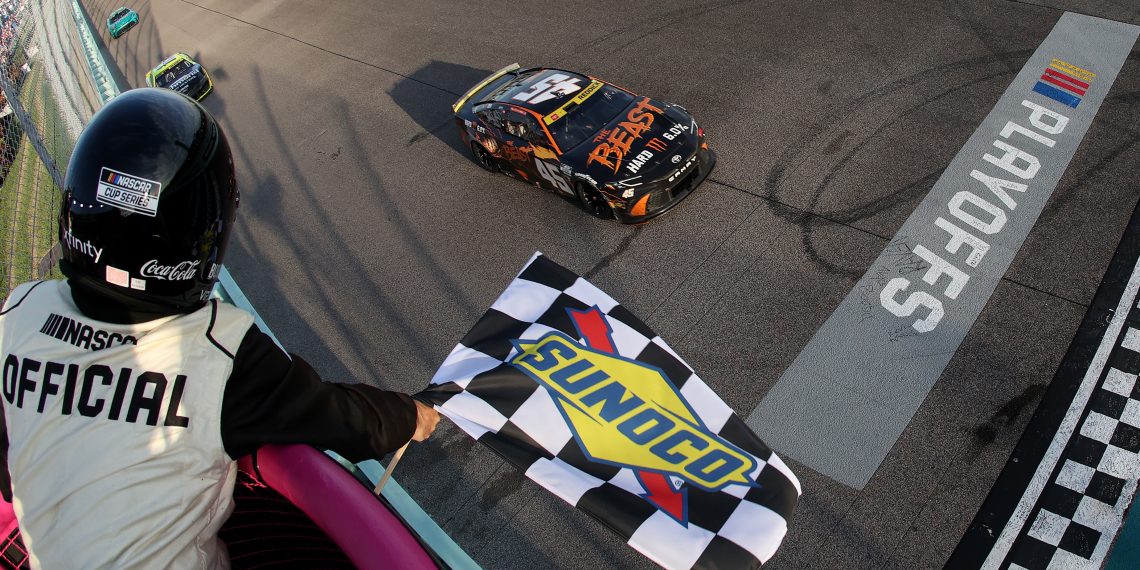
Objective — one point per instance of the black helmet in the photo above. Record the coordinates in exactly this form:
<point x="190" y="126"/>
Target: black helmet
<point x="149" y="201"/>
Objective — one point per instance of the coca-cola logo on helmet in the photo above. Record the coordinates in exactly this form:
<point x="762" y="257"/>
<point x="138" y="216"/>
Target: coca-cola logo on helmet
<point x="182" y="271"/>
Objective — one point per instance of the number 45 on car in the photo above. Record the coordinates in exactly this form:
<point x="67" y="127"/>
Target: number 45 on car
<point x="619" y="154"/>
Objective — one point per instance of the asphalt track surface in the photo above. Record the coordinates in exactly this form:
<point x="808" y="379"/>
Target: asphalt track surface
<point x="370" y="242"/>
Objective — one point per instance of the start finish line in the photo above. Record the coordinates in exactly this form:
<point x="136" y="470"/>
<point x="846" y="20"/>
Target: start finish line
<point x="848" y="396"/>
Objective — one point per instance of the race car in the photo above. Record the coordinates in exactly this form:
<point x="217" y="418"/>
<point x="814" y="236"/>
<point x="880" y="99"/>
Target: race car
<point x="121" y="20"/>
<point x="182" y="74"/>
<point x="621" y="155"/>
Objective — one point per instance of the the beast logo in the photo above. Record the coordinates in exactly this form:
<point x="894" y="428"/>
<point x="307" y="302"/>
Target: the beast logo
<point x="611" y="151"/>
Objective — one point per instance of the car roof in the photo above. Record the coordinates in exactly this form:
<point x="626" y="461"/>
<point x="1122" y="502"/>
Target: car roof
<point x="525" y="82"/>
<point x="172" y="59"/>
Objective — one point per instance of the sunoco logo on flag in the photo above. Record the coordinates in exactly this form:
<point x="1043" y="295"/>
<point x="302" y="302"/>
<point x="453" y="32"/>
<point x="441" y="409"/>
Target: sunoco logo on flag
<point x="1064" y="83"/>
<point x="626" y="413"/>
<point x="577" y="392"/>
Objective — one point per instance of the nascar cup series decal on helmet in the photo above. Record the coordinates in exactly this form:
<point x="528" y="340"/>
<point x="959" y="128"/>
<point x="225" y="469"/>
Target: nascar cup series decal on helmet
<point x="627" y="413"/>
<point x="128" y="192"/>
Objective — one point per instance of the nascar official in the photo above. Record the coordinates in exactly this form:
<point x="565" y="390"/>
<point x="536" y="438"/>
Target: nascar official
<point x="127" y="391"/>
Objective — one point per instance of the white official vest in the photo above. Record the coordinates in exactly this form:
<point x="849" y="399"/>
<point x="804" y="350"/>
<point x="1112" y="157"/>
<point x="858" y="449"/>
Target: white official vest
<point x="115" y="445"/>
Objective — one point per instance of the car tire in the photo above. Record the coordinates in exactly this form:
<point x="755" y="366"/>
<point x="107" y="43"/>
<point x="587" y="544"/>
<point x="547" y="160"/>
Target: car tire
<point x="593" y="201"/>
<point x="483" y="158"/>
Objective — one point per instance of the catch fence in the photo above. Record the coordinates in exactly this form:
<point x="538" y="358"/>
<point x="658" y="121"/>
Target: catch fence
<point x="52" y="80"/>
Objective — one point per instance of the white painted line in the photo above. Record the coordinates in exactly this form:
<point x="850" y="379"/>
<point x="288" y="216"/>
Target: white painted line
<point x="844" y="401"/>
<point x="1066" y="429"/>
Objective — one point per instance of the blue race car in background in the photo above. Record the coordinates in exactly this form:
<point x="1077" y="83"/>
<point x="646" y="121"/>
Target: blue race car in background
<point x="122" y="20"/>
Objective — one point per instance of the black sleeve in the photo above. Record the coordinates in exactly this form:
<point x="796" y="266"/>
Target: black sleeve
<point x="5" y="475"/>
<point x="272" y="398"/>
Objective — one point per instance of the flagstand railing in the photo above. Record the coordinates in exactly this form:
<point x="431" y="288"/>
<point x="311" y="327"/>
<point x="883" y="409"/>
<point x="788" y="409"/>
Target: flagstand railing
<point x="407" y="508"/>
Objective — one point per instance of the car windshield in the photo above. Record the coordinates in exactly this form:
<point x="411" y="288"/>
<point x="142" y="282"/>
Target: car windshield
<point x="171" y="75"/>
<point x="583" y="121"/>
<point x="122" y="13"/>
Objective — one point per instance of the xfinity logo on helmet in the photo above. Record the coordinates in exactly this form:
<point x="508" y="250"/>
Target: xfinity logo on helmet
<point x="82" y="246"/>
<point x="183" y="271"/>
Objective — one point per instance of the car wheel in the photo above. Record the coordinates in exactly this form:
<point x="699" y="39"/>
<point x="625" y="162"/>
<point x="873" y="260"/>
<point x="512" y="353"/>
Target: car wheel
<point x="484" y="158"/>
<point x="593" y="201"/>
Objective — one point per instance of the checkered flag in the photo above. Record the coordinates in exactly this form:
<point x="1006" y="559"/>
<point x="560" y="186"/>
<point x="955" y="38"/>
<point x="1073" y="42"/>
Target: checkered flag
<point x="568" y="385"/>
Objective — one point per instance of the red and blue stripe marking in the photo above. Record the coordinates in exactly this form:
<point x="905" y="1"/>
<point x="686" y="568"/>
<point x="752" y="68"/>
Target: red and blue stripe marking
<point x="1064" y="83"/>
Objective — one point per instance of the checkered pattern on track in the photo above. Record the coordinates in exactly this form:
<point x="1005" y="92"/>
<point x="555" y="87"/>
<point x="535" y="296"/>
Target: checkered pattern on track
<point x="1082" y="507"/>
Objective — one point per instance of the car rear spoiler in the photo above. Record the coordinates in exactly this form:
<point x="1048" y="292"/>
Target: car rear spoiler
<point x="458" y="104"/>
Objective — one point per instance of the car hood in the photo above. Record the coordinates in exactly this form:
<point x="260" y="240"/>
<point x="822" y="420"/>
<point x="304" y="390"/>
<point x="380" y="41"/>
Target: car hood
<point x="646" y="142"/>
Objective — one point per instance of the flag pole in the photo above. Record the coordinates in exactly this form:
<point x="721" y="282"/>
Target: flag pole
<point x="391" y="467"/>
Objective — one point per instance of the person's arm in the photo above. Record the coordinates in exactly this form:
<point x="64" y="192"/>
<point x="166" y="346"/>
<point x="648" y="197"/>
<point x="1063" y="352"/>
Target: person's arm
<point x="272" y="398"/>
<point x="5" y="475"/>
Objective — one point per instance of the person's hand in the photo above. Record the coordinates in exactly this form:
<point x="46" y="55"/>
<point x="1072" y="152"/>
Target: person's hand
<point x="426" y="418"/>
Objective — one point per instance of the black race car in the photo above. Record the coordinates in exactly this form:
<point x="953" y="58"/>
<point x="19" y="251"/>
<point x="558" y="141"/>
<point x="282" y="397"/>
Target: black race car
<point x="620" y="154"/>
<point x="182" y="74"/>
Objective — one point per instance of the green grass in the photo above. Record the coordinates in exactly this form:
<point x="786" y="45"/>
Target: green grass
<point x="29" y="199"/>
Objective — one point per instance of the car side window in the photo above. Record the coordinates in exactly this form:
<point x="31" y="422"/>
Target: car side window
<point x="516" y="125"/>
<point x="537" y="135"/>
<point x="534" y="132"/>
<point x="525" y="127"/>
<point x="492" y="115"/>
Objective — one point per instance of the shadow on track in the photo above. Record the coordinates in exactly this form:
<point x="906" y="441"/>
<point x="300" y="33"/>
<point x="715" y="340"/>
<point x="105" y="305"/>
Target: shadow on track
<point x="350" y="281"/>
<point x="437" y="121"/>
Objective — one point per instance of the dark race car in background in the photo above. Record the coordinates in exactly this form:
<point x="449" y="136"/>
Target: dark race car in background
<point x="619" y="154"/>
<point x="182" y="74"/>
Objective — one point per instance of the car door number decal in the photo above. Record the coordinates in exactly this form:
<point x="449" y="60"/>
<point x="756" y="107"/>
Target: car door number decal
<point x="549" y="172"/>
<point x="557" y="85"/>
